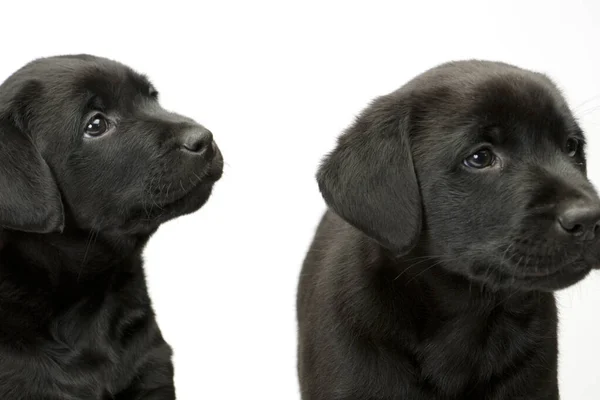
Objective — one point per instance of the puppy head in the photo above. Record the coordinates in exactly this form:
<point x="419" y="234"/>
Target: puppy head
<point x="480" y="165"/>
<point x="84" y="143"/>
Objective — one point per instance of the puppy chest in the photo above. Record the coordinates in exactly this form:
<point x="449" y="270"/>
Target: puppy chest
<point x="86" y="353"/>
<point x="55" y="369"/>
<point x="464" y="353"/>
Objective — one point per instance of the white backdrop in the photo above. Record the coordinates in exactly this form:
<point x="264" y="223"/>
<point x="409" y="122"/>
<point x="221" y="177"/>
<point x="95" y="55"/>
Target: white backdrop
<point x="276" y="82"/>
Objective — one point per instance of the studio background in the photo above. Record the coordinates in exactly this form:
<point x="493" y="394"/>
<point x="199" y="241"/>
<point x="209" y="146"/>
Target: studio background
<point x="276" y="82"/>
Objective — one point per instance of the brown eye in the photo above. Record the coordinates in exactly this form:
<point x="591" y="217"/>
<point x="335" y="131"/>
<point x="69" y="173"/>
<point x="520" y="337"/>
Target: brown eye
<point x="572" y="147"/>
<point x="96" y="126"/>
<point x="480" y="159"/>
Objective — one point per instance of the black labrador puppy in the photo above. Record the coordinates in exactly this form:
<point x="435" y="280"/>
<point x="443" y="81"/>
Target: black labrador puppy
<point x="90" y="166"/>
<point x="457" y="205"/>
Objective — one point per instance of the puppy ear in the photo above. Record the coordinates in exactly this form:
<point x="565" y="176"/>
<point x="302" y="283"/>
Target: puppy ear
<point x="369" y="179"/>
<point x="29" y="197"/>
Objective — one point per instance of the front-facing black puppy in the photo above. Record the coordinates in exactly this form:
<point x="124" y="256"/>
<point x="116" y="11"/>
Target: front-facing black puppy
<point x="457" y="205"/>
<point x="90" y="166"/>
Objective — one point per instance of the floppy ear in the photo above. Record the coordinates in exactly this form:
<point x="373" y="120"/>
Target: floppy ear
<point x="29" y="198"/>
<point x="369" y="179"/>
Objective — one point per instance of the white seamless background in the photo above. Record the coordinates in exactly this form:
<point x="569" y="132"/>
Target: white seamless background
<point x="276" y="82"/>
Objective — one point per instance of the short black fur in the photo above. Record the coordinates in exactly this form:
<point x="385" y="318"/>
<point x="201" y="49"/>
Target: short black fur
<point x="76" y="211"/>
<point x="428" y="279"/>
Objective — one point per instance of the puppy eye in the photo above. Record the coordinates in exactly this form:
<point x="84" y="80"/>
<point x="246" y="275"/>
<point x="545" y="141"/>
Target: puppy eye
<point x="572" y="147"/>
<point x="480" y="159"/>
<point x="96" y="126"/>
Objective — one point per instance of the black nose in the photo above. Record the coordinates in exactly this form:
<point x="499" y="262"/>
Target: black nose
<point x="580" y="219"/>
<point x="197" y="140"/>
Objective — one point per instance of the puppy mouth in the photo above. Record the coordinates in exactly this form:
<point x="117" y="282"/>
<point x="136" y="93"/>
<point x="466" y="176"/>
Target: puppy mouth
<point x="499" y="277"/>
<point x="541" y="273"/>
<point x="177" y="197"/>
<point x="556" y="280"/>
<point x="167" y="195"/>
<point x="215" y="171"/>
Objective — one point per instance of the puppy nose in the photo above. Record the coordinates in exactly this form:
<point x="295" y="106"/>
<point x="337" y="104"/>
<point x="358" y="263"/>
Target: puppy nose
<point x="197" y="140"/>
<point x="580" y="220"/>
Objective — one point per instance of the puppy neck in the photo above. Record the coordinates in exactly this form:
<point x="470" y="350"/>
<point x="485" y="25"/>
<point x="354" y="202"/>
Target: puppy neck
<point x="86" y="255"/>
<point x="2" y="239"/>
<point x="455" y="294"/>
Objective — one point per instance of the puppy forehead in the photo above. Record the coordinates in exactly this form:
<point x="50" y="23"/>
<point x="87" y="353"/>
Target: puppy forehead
<point x="512" y="101"/>
<point x="113" y="84"/>
<point x="495" y="105"/>
<point x="72" y="76"/>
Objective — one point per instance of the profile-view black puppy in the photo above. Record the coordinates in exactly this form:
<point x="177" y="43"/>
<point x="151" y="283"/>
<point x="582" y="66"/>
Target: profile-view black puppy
<point x="457" y="205"/>
<point x="90" y="166"/>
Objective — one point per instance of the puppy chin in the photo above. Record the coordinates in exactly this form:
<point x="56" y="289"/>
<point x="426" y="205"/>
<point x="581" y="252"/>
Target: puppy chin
<point x="191" y="202"/>
<point x="558" y="281"/>
<point x="199" y="195"/>
<point x="593" y="260"/>
<point x="145" y="220"/>
<point x="215" y="172"/>
<point x="503" y="277"/>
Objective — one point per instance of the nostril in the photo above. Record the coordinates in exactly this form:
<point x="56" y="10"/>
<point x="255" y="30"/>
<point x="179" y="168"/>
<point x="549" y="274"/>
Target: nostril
<point x="576" y="230"/>
<point x="581" y="221"/>
<point x="567" y="224"/>
<point x="197" y="140"/>
<point x="194" y="147"/>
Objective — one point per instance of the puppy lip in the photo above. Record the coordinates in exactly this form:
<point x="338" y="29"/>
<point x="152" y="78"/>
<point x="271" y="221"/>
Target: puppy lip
<point x="215" y="170"/>
<point x="205" y="177"/>
<point x="568" y="278"/>
<point x="556" y="273"/>
<point x="204" y="182"/>
<point x="552" y="281"/>
<point x="553" y="277"/>
<point x="172" y="207"/>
